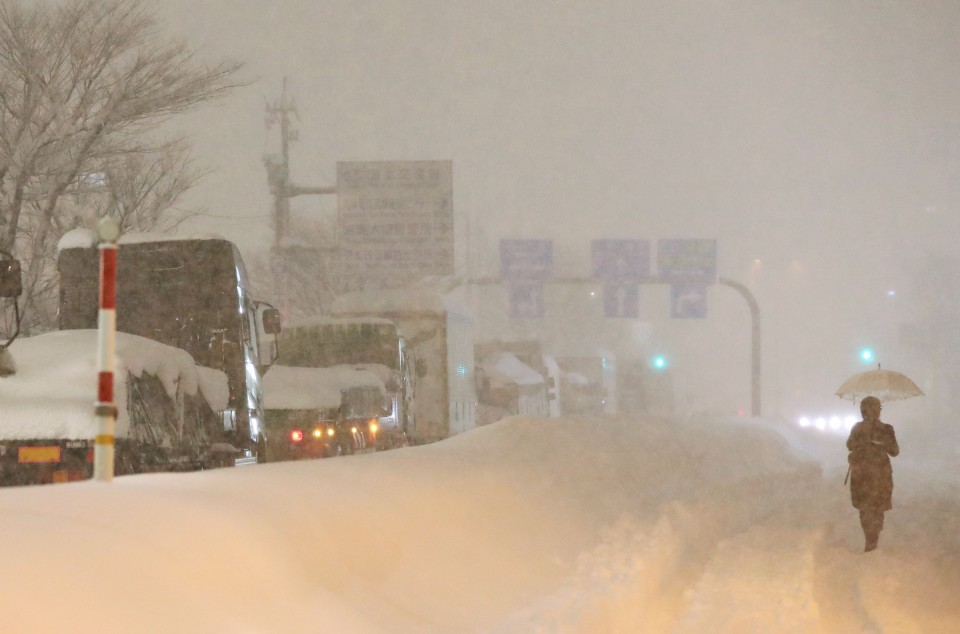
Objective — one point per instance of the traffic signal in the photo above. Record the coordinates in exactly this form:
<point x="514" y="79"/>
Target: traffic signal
<point x="659" y="362"/>
<point x="867" y="355"/>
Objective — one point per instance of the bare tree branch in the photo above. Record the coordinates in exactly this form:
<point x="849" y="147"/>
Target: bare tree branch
<point x="84" y="85"/>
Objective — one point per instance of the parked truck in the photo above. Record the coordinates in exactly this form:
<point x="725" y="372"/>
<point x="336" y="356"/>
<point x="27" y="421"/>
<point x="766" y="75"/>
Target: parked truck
<point x="588" y="383"/>
<point x="438" y="335"/>
<point x="323" y="412"/>
<point x="513" y="378"/>
<point x="352" y="376"/>
<point x="166" y="408"/>
<point x="192" y="344"/>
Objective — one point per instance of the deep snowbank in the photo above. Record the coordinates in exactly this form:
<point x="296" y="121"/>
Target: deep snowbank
<point x="527" y="525"/>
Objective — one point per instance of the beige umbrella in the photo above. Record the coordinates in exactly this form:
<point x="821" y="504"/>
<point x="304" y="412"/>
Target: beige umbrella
<point x="886" y="385"/>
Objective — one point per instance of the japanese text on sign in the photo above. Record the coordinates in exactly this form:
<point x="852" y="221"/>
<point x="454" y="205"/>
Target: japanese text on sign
<point x="399" y="212"/>
<point x="526" y="259"/>
<point x="687" y="260"/>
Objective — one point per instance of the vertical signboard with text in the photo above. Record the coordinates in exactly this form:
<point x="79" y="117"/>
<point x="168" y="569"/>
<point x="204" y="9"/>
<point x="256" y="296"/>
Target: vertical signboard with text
<point x="395" y="219"/>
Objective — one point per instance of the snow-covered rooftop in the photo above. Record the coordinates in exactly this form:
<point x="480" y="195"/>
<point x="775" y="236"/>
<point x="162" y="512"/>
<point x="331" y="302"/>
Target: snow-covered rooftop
<point x="87" y="238"/>
<point x="505" y="367"/>
<point x="53" y="392"/>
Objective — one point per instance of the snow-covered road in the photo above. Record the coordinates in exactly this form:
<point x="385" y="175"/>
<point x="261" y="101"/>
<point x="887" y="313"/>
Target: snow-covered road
<point x="528" y="525"/>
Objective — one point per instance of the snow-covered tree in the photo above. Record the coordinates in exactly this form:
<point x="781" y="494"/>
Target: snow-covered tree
<point x="85" y="86"/>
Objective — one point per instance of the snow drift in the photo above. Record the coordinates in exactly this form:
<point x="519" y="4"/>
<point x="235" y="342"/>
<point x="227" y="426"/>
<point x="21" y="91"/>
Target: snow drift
<point x="527" y="525"/>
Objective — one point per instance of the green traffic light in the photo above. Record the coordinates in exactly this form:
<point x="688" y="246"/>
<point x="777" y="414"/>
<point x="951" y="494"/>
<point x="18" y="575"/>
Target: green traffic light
<point x="866" y="355"/>
<point x="659" y="362"/>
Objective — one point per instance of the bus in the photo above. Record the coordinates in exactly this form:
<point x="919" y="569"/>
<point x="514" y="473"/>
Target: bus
<point x="191" y="293"/>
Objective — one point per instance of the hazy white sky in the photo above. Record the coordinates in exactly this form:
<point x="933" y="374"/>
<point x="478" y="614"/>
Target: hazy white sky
<point x="819" y="137"/>
<point x="700" y="118"/>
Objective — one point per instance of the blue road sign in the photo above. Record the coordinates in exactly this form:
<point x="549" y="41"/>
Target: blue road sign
<point x="621" y="259"/>
<point x="621" y="300"/>
<point x="687" y="260"/>
<point x="688" y="300"/>
<point x="526" y="259"/>
<point x="526" y="300"/>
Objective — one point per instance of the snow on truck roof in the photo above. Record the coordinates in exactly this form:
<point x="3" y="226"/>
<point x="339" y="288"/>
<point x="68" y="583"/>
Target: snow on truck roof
<point x="505" y="367"/>
<point x="54" y="389"/>
<point x="286" y="387"/>
<point x="87" y="238"/>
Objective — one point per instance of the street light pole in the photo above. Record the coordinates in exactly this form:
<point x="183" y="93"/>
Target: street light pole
<point x="755" y="341"/>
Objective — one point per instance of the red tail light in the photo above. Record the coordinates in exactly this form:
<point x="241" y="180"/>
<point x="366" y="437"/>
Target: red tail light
<point x="296" y="435"/>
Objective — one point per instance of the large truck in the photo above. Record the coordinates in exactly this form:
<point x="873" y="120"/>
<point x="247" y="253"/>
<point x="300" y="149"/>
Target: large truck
<point x="513" y="379"/>
<point x="438" y="334"/>
<point x="165" y="409"/>
<point x="588" y="383"/>
<point x="352" y="376"/>
<point x="191" y="293"/>
<point x="191" y="348"/>
<point x="325" y="412"/>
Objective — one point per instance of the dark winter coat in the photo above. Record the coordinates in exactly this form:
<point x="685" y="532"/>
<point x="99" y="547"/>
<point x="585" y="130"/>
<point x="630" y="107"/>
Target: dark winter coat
<point x="871" y="475"/>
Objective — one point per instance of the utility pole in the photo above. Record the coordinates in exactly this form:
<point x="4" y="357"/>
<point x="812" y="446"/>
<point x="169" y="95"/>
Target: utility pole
<point x="278" y="169"/>
<point x="278" y="177"/>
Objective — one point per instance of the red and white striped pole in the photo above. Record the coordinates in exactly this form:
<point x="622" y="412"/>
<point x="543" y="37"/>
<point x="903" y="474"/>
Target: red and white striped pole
<point x="106" y="411"/>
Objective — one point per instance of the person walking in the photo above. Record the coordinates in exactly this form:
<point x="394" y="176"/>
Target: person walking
<point x="871" y="443"/>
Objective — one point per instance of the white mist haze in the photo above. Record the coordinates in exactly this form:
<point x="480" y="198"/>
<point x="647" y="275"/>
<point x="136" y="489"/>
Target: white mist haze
<point x="818" y="143"/>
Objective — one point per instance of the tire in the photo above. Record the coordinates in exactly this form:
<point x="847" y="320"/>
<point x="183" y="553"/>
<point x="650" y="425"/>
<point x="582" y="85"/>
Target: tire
<point x="261" y="449"/>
